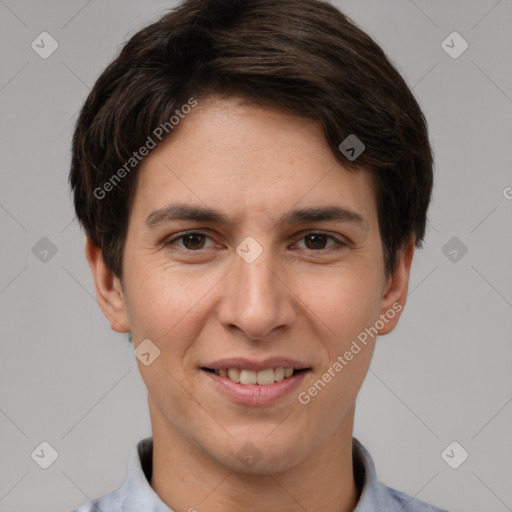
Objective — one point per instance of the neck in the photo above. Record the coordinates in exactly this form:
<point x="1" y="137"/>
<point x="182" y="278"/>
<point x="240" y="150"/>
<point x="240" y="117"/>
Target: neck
<point x="188" y="479"/>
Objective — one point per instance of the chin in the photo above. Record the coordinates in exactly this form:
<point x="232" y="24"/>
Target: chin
<point x="258" y="455"/>
<point x="267" y="464"/>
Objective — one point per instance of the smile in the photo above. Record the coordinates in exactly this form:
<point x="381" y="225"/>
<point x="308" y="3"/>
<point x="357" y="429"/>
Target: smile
<point x="255" y="388"/>
<point x="262" y="378"/>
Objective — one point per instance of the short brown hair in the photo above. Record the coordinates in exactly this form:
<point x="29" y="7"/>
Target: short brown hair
<point x="300" y="56"/>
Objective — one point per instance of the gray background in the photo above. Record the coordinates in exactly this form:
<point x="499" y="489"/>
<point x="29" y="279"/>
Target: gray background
<point x="443" y="375"/>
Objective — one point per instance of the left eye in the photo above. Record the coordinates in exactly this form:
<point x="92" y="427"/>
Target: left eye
<point x="191" y="238"/>
<point x="319" y="239"/>
<point x="194" y="241"/>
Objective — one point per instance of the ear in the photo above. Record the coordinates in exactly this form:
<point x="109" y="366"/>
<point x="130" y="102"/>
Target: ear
<point x="394" y="294"/>
<point x="108" y="289"/>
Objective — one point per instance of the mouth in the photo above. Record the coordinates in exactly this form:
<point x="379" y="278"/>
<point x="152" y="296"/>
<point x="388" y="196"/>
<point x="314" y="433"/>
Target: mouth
<point x="263" y="377"/>
<point x="256" y="383"/>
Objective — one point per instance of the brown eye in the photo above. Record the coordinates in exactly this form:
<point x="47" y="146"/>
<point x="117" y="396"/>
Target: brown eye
<point x="317" y="241"/>
<point x="192" y="241"/>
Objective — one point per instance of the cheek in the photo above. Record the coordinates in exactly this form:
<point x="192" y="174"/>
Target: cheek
<point x="344" y="303"/>
<point x="164" y="301"/>
<point x="329" y="401"/>
<point x="347" y="305"/>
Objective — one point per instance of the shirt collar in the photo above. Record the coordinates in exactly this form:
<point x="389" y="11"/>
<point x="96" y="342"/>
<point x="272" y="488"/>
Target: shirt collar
<point x="374" y="495"/>
<point x="137" y="493"/>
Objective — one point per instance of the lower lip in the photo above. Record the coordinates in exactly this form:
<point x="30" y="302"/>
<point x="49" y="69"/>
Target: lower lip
<point x="254" y="394"/>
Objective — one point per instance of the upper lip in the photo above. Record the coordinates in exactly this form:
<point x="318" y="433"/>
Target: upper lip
<point x="251" y="364"/>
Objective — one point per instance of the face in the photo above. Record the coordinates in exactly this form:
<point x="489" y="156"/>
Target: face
<point x="263" y="286"/>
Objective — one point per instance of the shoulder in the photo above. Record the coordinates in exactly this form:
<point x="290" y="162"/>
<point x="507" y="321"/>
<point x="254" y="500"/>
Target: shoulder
<point x="110" y="502"/>
<point x="406" y="503"/>
<point x="377" y="496"/>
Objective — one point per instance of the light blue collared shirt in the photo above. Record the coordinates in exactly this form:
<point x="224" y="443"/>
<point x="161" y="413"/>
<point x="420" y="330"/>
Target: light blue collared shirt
<point x="137" y="495"/>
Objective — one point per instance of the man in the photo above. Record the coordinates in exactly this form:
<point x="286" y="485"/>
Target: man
<point x="253" y="178"/>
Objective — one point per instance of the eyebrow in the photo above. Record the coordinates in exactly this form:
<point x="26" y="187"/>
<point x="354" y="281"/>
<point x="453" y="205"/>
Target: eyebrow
<point x="176" y="212"/>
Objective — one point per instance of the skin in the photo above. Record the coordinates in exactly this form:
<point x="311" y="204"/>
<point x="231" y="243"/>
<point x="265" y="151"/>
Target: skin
<point x="198" y="301"/>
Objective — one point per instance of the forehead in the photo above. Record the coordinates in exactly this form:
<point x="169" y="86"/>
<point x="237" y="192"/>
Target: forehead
<point x="233" y="156"/>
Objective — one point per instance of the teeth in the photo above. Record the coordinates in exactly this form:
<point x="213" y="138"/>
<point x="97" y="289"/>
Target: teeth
<point x="233" y="374"/>
<point x="263" y="378"/>
<point x="279" y="374"/>
<point x="247" y="377"/>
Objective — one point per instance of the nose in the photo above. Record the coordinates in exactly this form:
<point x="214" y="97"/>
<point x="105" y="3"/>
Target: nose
<point x="257" y="298"/>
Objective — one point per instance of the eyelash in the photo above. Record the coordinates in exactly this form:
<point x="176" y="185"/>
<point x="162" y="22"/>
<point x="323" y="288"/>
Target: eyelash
<point x="339" y="243"/>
